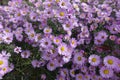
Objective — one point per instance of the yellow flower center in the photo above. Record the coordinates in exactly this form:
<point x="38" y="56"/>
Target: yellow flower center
<point x="47" y="30"/>
<point x="1" y="62"/>
<point x="110" y="61"/>
<point x="73" y="42"/>
<point x="7" y="30"/>
<point x="68" y="25"/>
<point x="62" y="48"/>
<point x="80" y="77"/>
<point x="50" y="0"/>
<point x="63" y="4"/>
<point x="18" y="14"/>
<point x="57" y="1"/>
<point x="4" y="69"/>
<point x="62" y="13"/>
<point x="49" y="5"/>
<point x="79" y="58"/>
<point x="93" y="59"/>
<point x="106" y="71"/>
<point x="32" y="35"/>
<point x="51" y="64"/>
<point x="57" y="40"/>
<point x="73" y="72"/>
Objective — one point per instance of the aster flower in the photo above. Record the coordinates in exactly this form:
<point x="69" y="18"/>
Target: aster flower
<point x="79" y="77"/>
<point x="72" y="72"/>
<point x="25" y="54"/>
<point x="66" y="58"/>
<point x="3" y="62"/>
<point x="51" y="66"/>
<point x="47" y="30"/>
<point x="110" y="61"/>
<point x="47" y="5"/>
<point x="4" y="70"/>
<point x="87" y="77"/>
<point x="73" y="42"/>
<point x="19" y="37"/>
<point x="62" y="49"/>
<point x="61" y="13"/>
<point x="67" y="26"/>
<point x="85" y="7"/>
<point x="112" y="37"/>
<point x="8" y="38"/>
<point x="76" y="6"/>
<point x="5" y="55"/>
<point x="31" y="35"/>
<point x="103" y="35"/>
<point x="57" y="40"/>
<point x="64" y="4"/>
<point x="33" y="16"/>
<point x="79" y="59"/>
<point x="43" y="76"/>
<point x="118" y="40"/>
<point x="45" y="42"/>
<point x="98" y="40"/>
<point x="7" y="30"/>
<point x="63" y="72"/>
<point x="17" y="49"/>
<point x="59" y="77"/>
<point x="46" y="56"/>
<point x="94" y="60"/>
<point x="35" y="63"/>
<point x="84" y="69"/>
<point x="106" y="72"/>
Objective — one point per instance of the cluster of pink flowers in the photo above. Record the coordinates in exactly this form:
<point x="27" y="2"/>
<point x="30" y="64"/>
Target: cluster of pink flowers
<point x="5" y="65"/>
<point x="85" y="34"/>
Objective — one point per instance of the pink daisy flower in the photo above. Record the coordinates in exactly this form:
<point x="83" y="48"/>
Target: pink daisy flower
<point x="3" y="62"/>
<point x="8" y="38"/>
<point x="79" y="77"/>
<point x="62" y="49"/>
<point x="25" y="54"/>
<point x="79" y="59"/>
<point x="110" y="61"/>
<point x="47" y="30"/>
<point x="73" y="42"/>
<point x="51" y="66"/>
<point x="17" y="49"/>
<point x="94" y="60"/>
<point x="106" y="72"/>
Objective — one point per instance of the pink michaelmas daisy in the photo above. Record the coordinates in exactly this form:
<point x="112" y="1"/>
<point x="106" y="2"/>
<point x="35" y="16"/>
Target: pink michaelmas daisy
<point x="110" y="61"/>
<point x="57" y="40"/>
<point x="8" y="38"/>
<point x="47" y="30"/>
<point x="62" y="49"/>
<point x="66" y="58"/>
<point x="3" y="62"/>
<point x="94" y="60"/>
<point x="17" y="49"/>
<point x="51" y="66"/>
<point x="45" y="43"/>
<point x="4" y="70"/>
<point x="73" y="42"/>
<point x="72" y="72"/>
<point x="35" y="63"/>
<point x="79" y="59"/>
<point x="5" y="55"/>
<point x="25" y="54"/>
<point x="79" y="77"/>
<point x="106" y="72"/>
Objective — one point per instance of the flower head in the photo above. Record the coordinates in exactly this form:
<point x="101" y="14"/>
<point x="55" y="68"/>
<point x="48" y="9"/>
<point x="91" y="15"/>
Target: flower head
<point x="106" y="72"/>
<point x="94" y="60"/>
